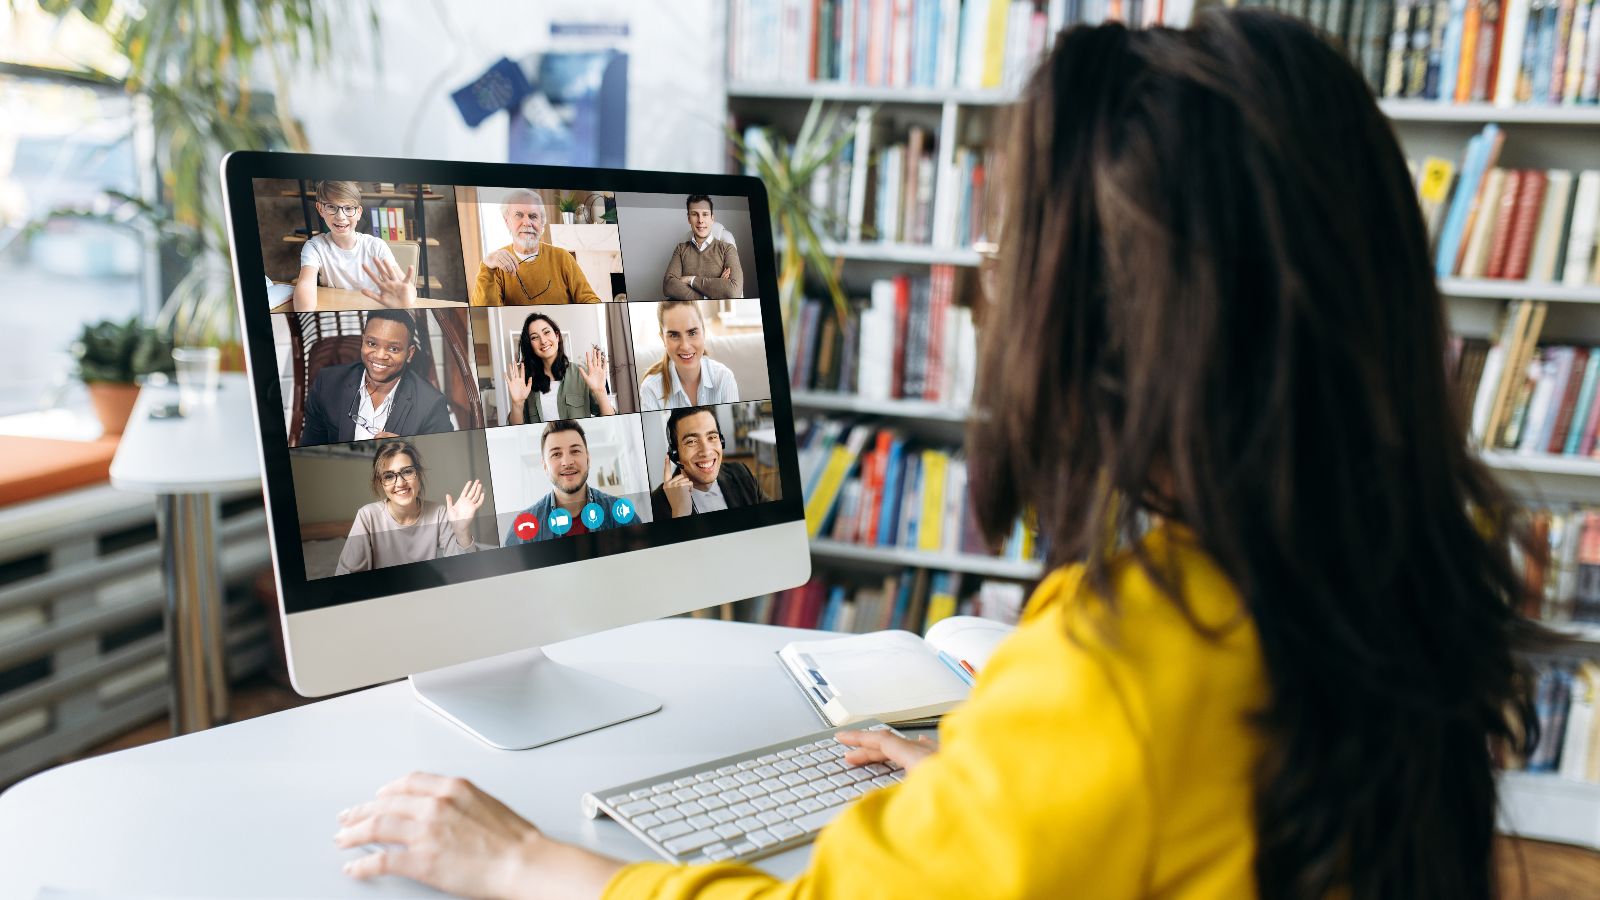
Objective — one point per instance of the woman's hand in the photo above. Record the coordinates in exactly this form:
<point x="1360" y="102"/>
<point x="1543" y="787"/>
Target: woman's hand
<point x="396" y="289"/>
<point x="878" y="746"/>
<point x="447" y="833"/>
<point x="460" y="512"/>
<point x="518" y="384"/>
<point x="676" y="486"/>
<point x="594" y="371"/>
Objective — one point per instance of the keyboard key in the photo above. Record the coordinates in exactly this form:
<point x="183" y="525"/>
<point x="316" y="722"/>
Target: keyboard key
<point x="684" y="794"/>
<point x="781" y="797"/>
<point x="748" y="764"/>
<point x="684" y="782"/>
<point x="810" y="804"/>
<point x="665" y="787"/>
<point x="892" y="765"/>
<point x="646" y="821"/>
<point x="753" y="790"/>
<point x="766" y="771"/>
<point x="898" y="775"/>
<point x="720" y="853"/>
<point x="669" y="815"/>
<point x="706" y="789"/>
<point x="829" y="798"/>
<point x="691" y="808"/>
<point x="664" y="801"/>
<point x="792" y="778"/>
<point x="785" y="754"/>
<point x="743" y="809"/>
<point x="726" y="782"/>
<point x="705" y="776"/>
<point x="830" y="768"/>
<point x="747" y="778"/>
<point x="744" y="847"/>
<point x="727" y="770"/>
<point x="771" y="817"/>
<point x="700" y="821"/>
<point x="785" y="830"/>
<point x="844" y="793"/>
<point x="822" y="756"/>
<point x="763" y="803"/>
<point x="773" y="784"/>
<point x="669" y="830"/>
<point x="731" y="797"/>
<point x="721" y="815"/>
<point x="877" y="768"/>
<point x="619" y="799"/>
<point x="790" y="811"/>
<point x="813" y="821"/>
<point x="842" y="779"/>
<point x="761" y="838"/>
<point x="711" y="803"/>
<point x="803" y="791"/>
<point x="768" y="759"/>
<point x="859" y="775"/>
<point x="641" y="793"/>
<point x="727" y="831"/>
<point x="681" y="845"/>
<point x="749" y="824"/>
<point x="884" y="781"/>
<point x="782" y="765"/>
<point x="635" y="807"/>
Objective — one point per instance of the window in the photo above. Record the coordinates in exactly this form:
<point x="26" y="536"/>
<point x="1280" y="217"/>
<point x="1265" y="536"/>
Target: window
<point x="63" y="143"/>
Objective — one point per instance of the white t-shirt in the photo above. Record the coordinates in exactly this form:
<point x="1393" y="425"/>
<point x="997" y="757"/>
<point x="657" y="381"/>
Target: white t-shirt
<point x="342" y="268"/>
<point x="547" y="405"/>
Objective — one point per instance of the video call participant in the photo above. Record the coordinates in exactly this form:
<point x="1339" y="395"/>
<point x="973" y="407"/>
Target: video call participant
<point x="377" y="396"/>
<point x="685" y="375"/>
<point x="402" y="527"/>
<point x="340" y="257"/>
<point x="703" y="267"/>
<point x="526" y="272"/>
<point x="565" y="450"/>
<point x="695" y="479"/>
<point x="545" y="385"/>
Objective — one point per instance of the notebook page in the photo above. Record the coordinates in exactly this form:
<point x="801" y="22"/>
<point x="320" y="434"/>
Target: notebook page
<point x="884" y="674"/>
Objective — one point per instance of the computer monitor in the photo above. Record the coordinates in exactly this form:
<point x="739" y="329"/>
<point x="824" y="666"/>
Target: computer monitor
<point x="500" y="406"/>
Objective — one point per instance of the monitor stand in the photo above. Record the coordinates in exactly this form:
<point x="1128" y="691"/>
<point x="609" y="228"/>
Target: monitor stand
<point x="525" y="699"/>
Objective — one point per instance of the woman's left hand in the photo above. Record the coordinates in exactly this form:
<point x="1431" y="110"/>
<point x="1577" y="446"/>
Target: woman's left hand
<point x="460" y="511"/>
<point x="594" y="371"/>
<point x="447" y="833"/>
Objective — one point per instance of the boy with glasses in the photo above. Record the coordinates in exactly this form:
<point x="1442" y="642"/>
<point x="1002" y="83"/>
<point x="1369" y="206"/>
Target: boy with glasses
<point x="340" y="256"/>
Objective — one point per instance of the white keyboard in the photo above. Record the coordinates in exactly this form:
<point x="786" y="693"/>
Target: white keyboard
<point x="748" y="805"/>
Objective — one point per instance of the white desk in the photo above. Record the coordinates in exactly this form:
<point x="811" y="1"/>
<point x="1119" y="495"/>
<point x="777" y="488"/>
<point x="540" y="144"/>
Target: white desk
<point x="247" y="810"/>
<point x="185" y="462"/>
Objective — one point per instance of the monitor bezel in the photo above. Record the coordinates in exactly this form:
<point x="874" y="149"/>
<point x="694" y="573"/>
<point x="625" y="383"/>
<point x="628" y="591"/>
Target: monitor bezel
<point x="299" y="594"/>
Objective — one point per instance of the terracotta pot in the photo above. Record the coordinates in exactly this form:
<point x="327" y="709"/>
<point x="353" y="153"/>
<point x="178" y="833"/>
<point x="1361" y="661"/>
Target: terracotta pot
<point x="113" y="403"/>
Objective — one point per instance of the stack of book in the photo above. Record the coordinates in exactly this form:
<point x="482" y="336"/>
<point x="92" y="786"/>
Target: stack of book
<point x="908" y="341"/>
<point x="1525" y="397"/>
<point x="1563" y="575"/>
<point x="912" y="599"/>
<point x="1565" y="694"/>
<point x="872" y="486"/>
<point x="882" y="185"/>
<point x="1506" y="52"/>
<point x="907" y="43"/>
<point x="1536" y="225"/>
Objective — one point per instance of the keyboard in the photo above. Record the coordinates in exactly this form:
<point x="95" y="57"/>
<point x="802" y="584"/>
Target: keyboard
<point x="748" y="805"/>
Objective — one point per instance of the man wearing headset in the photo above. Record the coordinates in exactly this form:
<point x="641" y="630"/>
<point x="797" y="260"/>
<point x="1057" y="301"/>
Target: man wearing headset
<point x="694" y="479"/>
<point x="377" y="396"/>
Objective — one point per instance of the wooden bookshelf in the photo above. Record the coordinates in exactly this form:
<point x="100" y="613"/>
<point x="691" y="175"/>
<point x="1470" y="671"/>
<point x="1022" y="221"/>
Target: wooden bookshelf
<point x="301" y="239"/>
<point x="897" y="409"/>
<point x="372" y="195"/>
<point x="901" y="557"/>
<point x="870" y="93"/>
<point x="908" y="254"/>
<point x="1501" y="289"/>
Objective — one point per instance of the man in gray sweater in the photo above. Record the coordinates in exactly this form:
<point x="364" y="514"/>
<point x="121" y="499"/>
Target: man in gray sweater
<point x="703" y="268"/>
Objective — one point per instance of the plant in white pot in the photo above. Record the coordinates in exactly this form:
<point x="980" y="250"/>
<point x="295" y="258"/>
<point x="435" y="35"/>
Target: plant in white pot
<point x="112" y="358"/>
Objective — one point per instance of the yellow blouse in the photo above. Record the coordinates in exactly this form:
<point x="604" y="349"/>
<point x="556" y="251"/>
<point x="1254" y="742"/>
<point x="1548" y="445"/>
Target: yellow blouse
<point x="1099" y="755"/>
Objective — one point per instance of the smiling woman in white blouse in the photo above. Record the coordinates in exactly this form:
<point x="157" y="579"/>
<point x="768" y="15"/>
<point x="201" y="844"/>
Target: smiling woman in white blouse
<point x="685" y="375"/>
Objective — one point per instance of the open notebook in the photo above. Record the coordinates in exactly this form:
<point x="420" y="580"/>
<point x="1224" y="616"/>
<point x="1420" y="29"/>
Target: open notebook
<point x="893" y="676"/>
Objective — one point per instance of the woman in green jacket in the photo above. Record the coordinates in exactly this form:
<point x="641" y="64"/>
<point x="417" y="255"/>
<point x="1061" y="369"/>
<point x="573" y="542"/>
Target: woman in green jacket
<point x="545" y="385"/>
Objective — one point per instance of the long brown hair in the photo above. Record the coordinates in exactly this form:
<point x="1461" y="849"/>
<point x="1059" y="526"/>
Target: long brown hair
<point x="1216" y="305"/>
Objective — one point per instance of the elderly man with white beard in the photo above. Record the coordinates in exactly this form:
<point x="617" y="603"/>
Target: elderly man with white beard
<point x="528" y="272"/>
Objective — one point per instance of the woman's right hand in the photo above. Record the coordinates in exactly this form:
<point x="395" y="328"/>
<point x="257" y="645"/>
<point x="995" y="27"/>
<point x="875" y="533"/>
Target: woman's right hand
<point x="518" y="384"/>
<point x="878" y="746"/>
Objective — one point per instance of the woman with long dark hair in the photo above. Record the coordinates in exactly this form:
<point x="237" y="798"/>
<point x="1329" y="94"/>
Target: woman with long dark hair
<point x="1277" y="640"/>
<point x="546" y="386"/>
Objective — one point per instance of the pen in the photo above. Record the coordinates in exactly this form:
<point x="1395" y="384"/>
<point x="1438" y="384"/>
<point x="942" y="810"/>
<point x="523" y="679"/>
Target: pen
<point x="954" y="666"/>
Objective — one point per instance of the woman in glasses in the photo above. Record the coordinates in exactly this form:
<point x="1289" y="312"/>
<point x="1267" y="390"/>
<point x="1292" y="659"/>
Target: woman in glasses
<point x="400" y="526"/>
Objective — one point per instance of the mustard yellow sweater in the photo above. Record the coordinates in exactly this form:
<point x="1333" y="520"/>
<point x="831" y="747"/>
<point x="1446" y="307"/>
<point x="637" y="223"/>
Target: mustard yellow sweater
<point x="1098" y="756"/>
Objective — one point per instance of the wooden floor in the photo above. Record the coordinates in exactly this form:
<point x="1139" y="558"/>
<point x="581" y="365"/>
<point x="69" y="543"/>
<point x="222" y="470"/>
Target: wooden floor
<point x="1529" y="870"/>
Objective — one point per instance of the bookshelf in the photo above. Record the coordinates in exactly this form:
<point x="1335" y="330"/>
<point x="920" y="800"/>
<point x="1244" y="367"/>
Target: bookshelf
<point x="418" y="197"/>
<point x="966" y="563"/>
<point x="1500" y="289"/>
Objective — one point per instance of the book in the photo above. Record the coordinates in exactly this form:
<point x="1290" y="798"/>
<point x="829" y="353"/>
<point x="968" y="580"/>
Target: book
<point x="894" y="676"/>
<point x="1548" y="243"/>
<point x="1525" y="216"/>
<point x="1581" y="236"/>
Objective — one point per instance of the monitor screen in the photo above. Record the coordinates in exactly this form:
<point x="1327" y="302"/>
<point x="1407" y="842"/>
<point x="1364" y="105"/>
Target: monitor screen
<point x="467" y="370"/>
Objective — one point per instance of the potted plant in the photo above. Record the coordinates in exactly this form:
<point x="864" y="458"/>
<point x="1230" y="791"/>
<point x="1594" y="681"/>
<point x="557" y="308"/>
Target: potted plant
<point x="111" y="358"/>
<point x="568" y="204"/>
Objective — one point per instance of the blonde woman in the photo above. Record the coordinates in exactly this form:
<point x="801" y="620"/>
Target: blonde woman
<point x="401" y="527"/>
<point x="685" y="375"/>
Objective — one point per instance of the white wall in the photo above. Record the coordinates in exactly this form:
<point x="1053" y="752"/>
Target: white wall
<point x="401" y="106"/>
<point x="653" y="225"/>
<point x="616" y="449"/>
